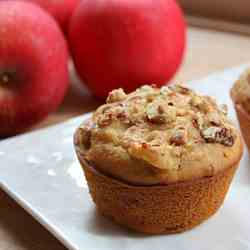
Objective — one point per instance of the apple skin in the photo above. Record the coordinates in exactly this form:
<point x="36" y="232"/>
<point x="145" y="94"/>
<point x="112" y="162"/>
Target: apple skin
<point x="61" y="10"/>
<point x="34" y="73"/>
<point x="126" y="43"/>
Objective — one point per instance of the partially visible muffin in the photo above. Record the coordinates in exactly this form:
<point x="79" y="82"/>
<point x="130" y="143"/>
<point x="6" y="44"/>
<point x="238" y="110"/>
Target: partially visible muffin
<point x="240" y="94"/>
<point x="158" y="160"/>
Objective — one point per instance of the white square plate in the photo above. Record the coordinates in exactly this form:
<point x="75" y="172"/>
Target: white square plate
<point x="40" y="171"/>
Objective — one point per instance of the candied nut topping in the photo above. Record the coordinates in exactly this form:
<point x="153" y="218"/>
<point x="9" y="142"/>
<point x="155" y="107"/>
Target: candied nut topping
<point x="219" y="135"/>
<point x="201" y="104"/>
<point x="214" y="118"/>
<point x="145" y="88"/>
<point x="158" y="113"/>
<point x="165" y="90"/>
<point x="104" y="120"/>
<point x="116" y="96"/>
<point x="198" y="121"/>
<point x="180" y="89"/>
<point x="196" y="101"/>
<point x="176" y="113"/>
<point x="159" y="135"/>
<point x="84" y="136"/>
<point x="179" y="137"/>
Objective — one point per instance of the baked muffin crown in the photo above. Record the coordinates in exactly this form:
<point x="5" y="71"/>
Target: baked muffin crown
<point x="160" y="135"/>
<point x="240" y="91"/>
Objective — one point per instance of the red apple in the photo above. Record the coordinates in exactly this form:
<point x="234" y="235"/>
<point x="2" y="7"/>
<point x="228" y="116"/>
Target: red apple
<point x="61" y="10"/>
<point x="33" y="65"/>
<point x="126" y="43"/>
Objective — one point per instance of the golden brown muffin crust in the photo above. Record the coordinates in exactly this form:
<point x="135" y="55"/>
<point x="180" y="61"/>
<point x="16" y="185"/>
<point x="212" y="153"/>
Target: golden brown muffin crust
<point x="156" y="136"/>
<point x="240" y="92"/>
<point x="170" y="208"/>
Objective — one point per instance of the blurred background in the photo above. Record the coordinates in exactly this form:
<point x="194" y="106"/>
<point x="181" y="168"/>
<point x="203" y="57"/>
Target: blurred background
<point x="236" y="12"/>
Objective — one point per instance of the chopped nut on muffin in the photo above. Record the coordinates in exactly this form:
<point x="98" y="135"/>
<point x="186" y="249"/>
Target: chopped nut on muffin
<point x="220" y="135"/>
<point x="116" y="96"/>
<point x="179" y="137"/>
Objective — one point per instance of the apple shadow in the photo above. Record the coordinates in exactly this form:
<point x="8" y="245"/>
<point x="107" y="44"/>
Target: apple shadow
<point x="78" y="99"/>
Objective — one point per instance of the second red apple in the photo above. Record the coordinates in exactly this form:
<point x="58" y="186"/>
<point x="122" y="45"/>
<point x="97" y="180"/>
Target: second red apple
<point x="126" y="43"/>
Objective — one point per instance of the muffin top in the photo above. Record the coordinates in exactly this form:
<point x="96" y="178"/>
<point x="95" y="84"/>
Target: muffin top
<point x="240" y="92"/>
<point x="159" y="136"/>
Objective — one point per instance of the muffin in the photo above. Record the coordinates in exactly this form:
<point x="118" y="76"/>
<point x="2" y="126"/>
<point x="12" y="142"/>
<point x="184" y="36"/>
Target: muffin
<point x="158" y="160"/>
<point x="240" y="94"/>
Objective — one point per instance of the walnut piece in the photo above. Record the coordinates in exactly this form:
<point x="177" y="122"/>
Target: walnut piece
<point x="104" y="120"/>
<point x="179" y="137"/>
<point x="116" y="96"/>
<point x="124" y="117"/>
<point x="198" y="121"/>
<point x="157" y="113"/>
<point x="196" y="101"/>
<point x="83" y="136"/>
<point x="204" y="104"/>
<point x="146" y="88"/>
<point x="180" y="89"/>
<point x="220" y="135"/>
<point x="165" y="90"/>
<point x="153" y="113"/>
<point x="214" y="118"/>
<point x="200" y="103"/>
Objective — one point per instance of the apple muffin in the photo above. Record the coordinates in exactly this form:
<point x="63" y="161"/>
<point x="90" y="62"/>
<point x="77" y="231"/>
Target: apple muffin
<point x="240" y="94"/>
<point x="158" y="160"/>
